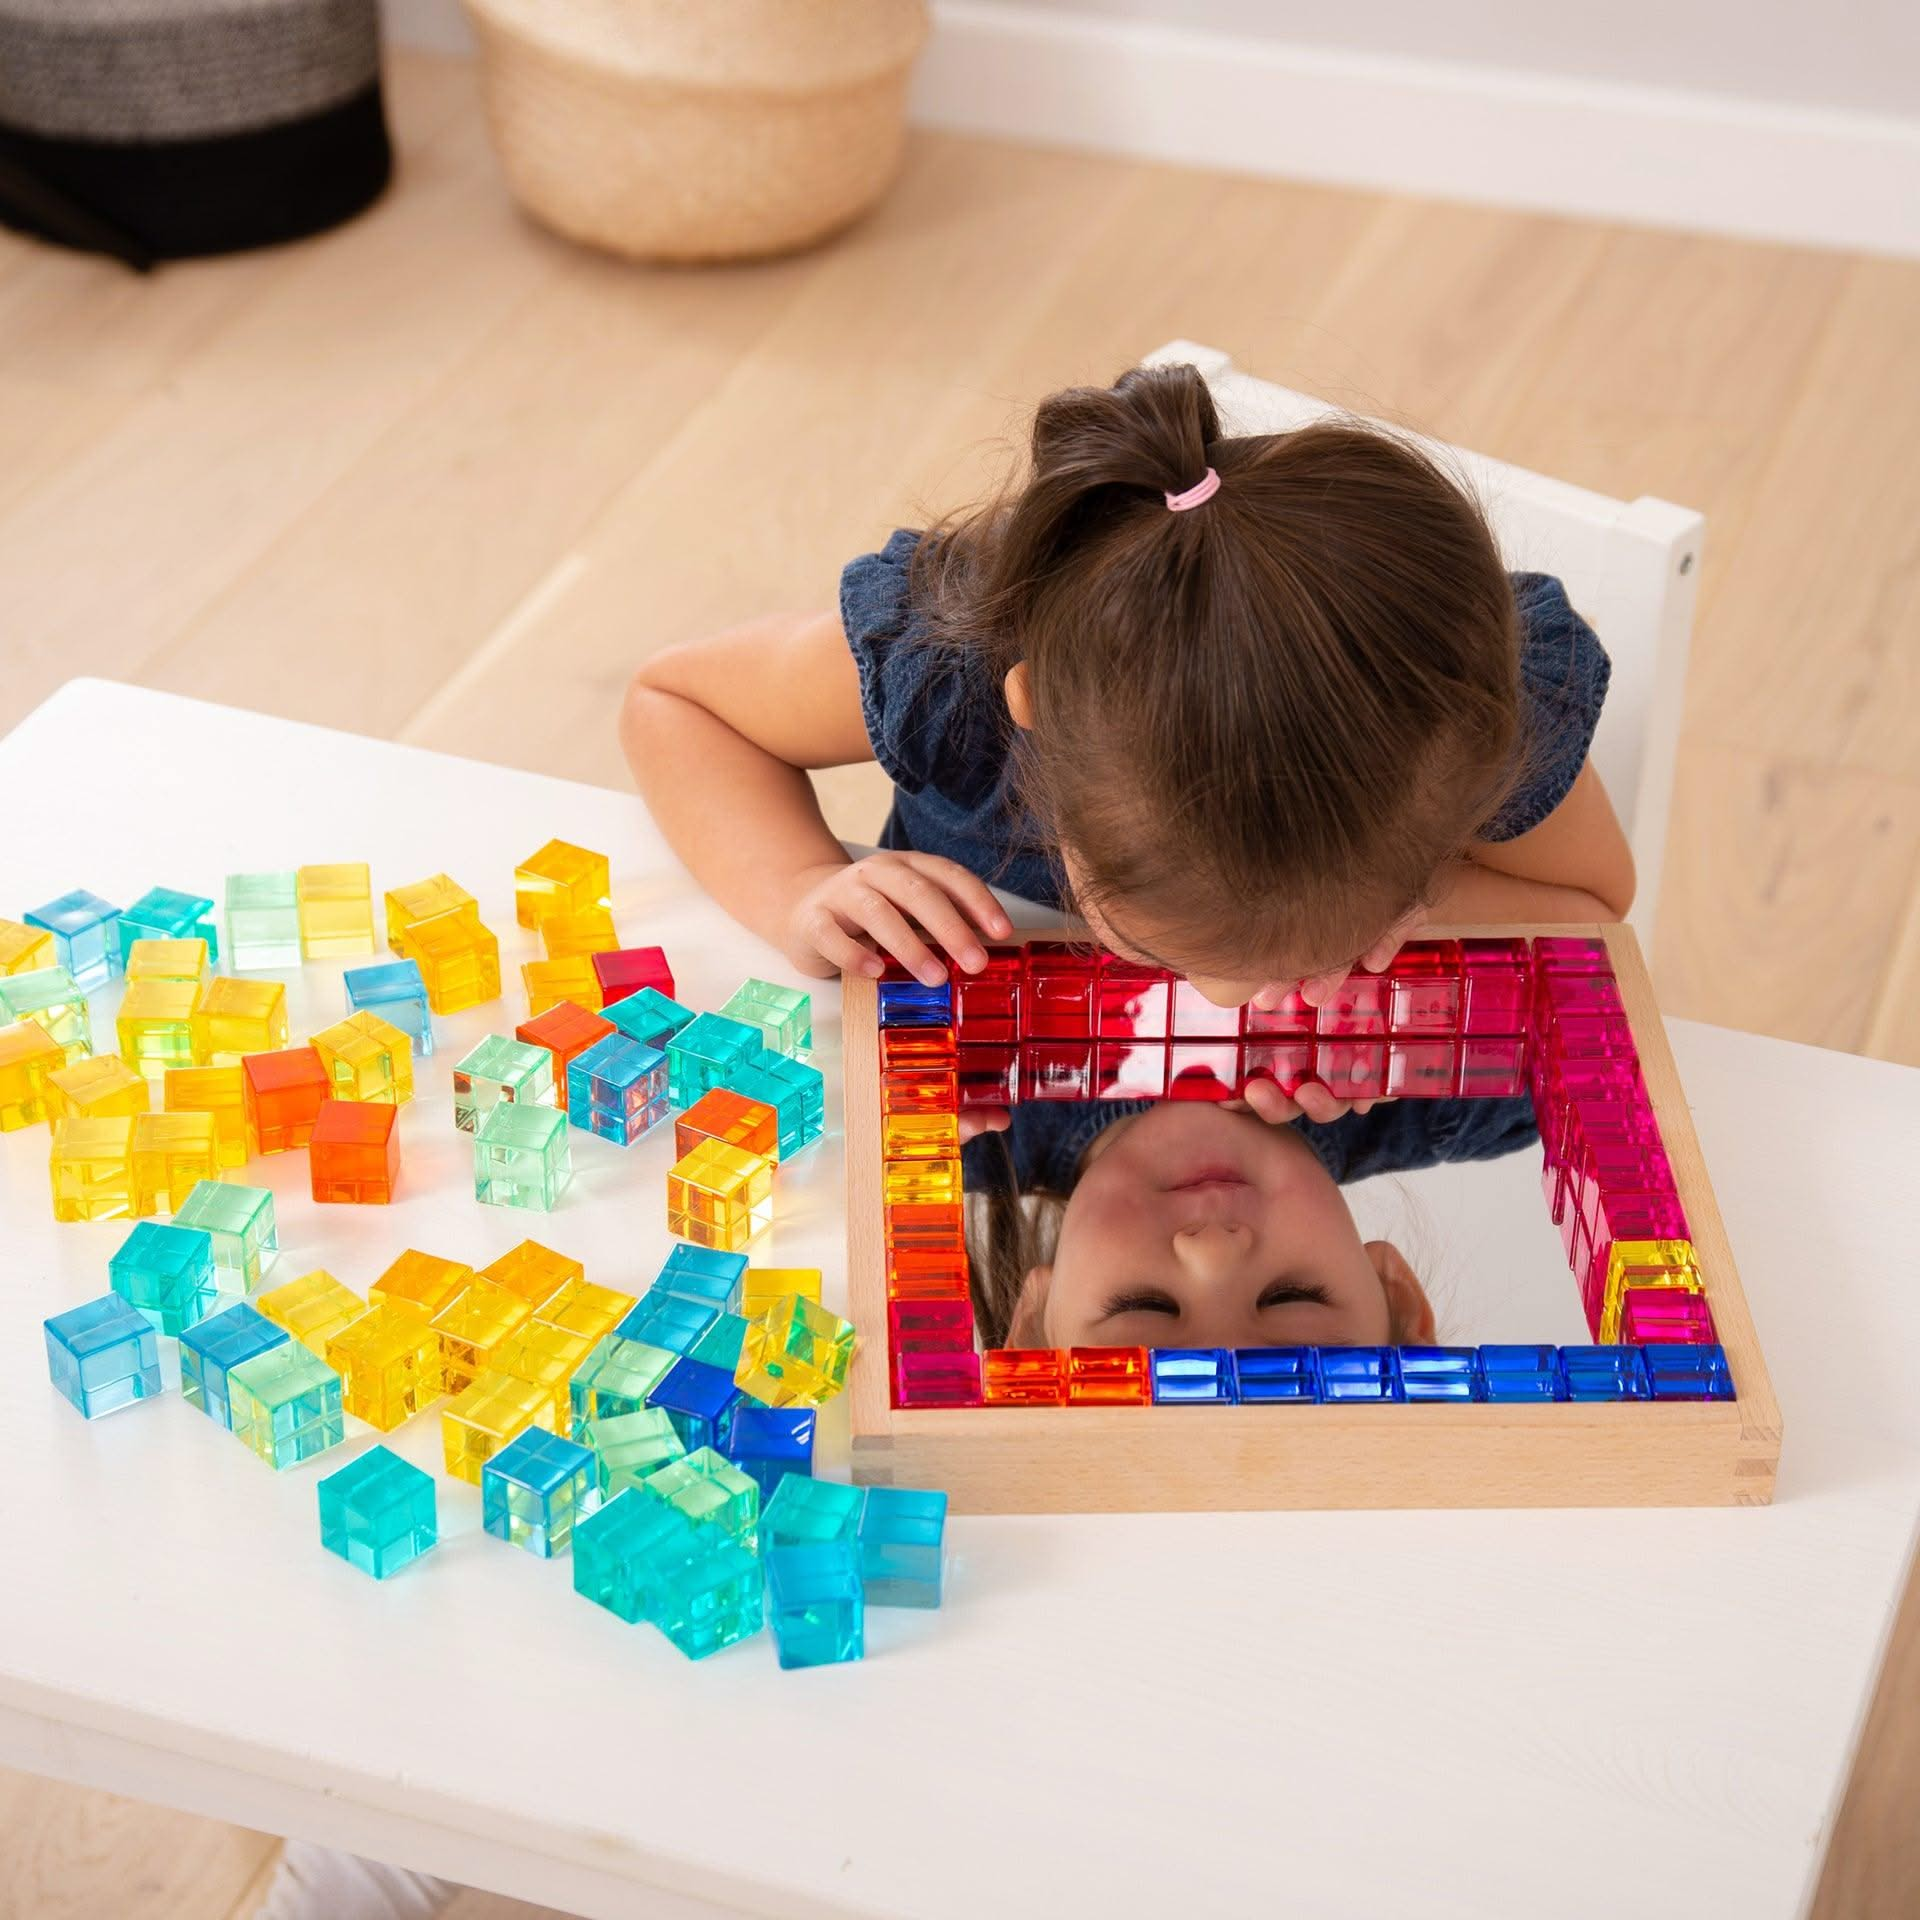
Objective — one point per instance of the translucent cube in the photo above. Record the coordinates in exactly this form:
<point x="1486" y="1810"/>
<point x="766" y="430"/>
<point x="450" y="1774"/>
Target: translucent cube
<point x="420" y="1283"/>
<point x="669" y="1321"/>
<point x="395" y="991"/>
<point x="711" y="1491"/>
<point x="560" y="878"/>
<point x="618" y="1376"/>
<point x="219" y="1092"/>
<point x="1520" y="1374"/>
<point x="90" y="1168"/>
<point x="1182" y="1376"/>
<point x="784" y="1015"/>
<point x="389" y="1365"/>
<point x="237" y="1017"/>
<point x="720" y="1196"/>
<point x="901" y="1538"/>
<point x="649" y="1016"/>
<point x="625" y="970"/>
<point x="535" y="1488"/>
<point x="699" y="1399"/>
<point x="379" y="1513"/>
<point x="103" y="1355"/>
<point x="768" y="1443"/>
<point x="263" y="921"/>
<point x="578" y="934"/>
<point x="53" y="998"/>
<point x="805" y="1511"/>
<point x="353" y="1155"/>
<point x="1438" y="1373"/>
<point x="552" y="983"/>
<point x="500" y="1070"/>
<point x="624" y="1552"/>
<point x="815" y="1604"/>
<point x="536" y="1273"/>
<point x="156" y="1025"/>
<point x="286" y="1404"/>
<point x="546" y="1357"/>
<point x="707" y="1052"/>
<point x="29" y="1057"/>
<point x="86" y="935"/>
<point x="366" y="1058"/>
<point x="617" y="1088"/>
<point x="720" y="1346"/>
<point x="25" y="949"/>
<point x="170" y="1154"/>
<point x="797" y="1355"/>
<point x="630" y="1446"/>
<point x="440" y="896"/>
<point x="96" y="1088"/>
<point x="154" y="959"/>
<point x="459" y="965"/>
<point x="336" y="909"/>
<point x="521" y="1157"/>
<point x="212" y="1347"/>
<point x="706" y="1274"/>
<point x="473" y="1325"/>
<point x="721" y="1114"/>
<point x="280" y="1096"/>
<point x="312" y="1308"/>
<point x="239" y="1221"/>
<point x="565" y="1031"/>
<point x="586" y="1308"/>
<point x="1688" y="1370"/>
<point x="711" y="1598"/>
<point x="794" y="1090"/>
<point x="492" y="1409"/>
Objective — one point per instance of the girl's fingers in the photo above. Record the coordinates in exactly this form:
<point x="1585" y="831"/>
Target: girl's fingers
<point x="1264" y="1098"/>
<point x="835" y="945"/>
<point x="936" y="911"/>
<point x="1321" y="988"/>
<point x="973" y="893"/>
<point x="870" y="909"/>
<point x="978" y="1120"/>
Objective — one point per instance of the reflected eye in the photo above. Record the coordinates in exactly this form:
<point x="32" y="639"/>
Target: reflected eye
<point x="1143" y="1303"/>
<point x="1291" y="1293"/>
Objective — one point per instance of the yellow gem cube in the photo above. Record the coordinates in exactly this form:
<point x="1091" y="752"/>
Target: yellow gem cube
<point x="581" y="1307"/>
<point x="29" y="1057"/>
<point x="534" y="1272"/>
<point x="547" y="1357"/>
<point x="420" y="1283"/>
<point x="238" y="1017"/>
<point x="573" y="936"/>
<point x="90" y="1168"/>
<point x="388" y="1361"/>
<point x="312" y="1308"/>
<point x="24" y="949"/>
<point x="459" y="965"/>
<point x="429" y="900"/>
<point x="95" y="1089"/>
<point x="367" y="1059"/>
<point x="156" y="1025"/>
<point x="335" y="907"/>
<point x="919" y="1136"/>
<point x="912" y="1182"/>
<point x="761" y="1288"/>
<point x="473" y="1326"/>
<point x="167" y="960"/>
<point x="719" y="1196"/>
<point x="797" y="1356"/>
<point x="548" y="982"/>
<point x="560" y="878"/>
<point x="172" y="1154"/>
<point x="487" y="1413"/>
<point x="1645" y="1263"/>
<point x="216" y="1091"/>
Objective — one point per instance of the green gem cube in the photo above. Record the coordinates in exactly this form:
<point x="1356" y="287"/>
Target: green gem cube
<point x="239" y="1221"/>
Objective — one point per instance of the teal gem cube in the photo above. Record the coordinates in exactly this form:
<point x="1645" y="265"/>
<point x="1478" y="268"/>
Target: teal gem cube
<point x="86" y="935"/>
<point x="648" y="1016"/>
<point x="498" y="1070"/>
<point x="628" y="1446"/>
<point x="263" y="921"/>
<point x="379" y="1513"/>
<point x="618" y="1376"/>
<point x="705" y="1053"/>
<point x="103" y="1355"/>
<point x="704" y="1273"/>
<point x="795" y="1091"/>
<point x="211" y="1349"/>
<point x="534" y="1490"/>
<point x="668" y="1320"/>
<point x="617" y="1088"/>
<point x="624" y="1552"/>
<point x="720" y="1345"/>
<point x="814" y="1602"/>
<point x="286" y="1405"/>
<point x="711" y="1492"/>
<point x="901" y="1538"/>
<point x="162" y="914"/>
<point x="166" y="1271"/>
<point x="710" y="1599"/>
<point x="784" y="1015"/>
<point x="522" y="1157"/>
<point x="395" y="990"/>
<point x="808" y="1512"/>
<point x="239" y="1221"/>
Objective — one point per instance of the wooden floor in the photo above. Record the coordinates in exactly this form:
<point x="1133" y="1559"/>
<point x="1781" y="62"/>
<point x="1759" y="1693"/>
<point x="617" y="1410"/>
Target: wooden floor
<point x="439" y="478"/>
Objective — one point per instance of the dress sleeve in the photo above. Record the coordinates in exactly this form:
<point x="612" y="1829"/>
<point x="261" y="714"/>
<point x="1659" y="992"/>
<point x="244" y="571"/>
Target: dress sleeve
<point x="1564" y="672"/>
<point x="930" y="710"/>
<point x="1400" y="1136"/>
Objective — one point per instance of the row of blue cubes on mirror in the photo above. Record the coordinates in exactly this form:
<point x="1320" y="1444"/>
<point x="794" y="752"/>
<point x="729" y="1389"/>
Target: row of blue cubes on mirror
<point x="1510" y="1375"/>
<point x="906" y="1003"/>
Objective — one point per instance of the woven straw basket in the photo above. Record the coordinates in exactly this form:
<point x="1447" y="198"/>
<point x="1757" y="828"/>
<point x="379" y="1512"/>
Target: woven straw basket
<point x="697" y="129"/>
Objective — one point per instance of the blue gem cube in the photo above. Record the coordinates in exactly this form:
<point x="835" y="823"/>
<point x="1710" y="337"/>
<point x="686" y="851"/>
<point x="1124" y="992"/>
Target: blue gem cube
<point x="906" y="1003"/>
<point x="815" y="1604"/>
<point x="535" y="1488"/>
<point x="710" y="1599"/>
<point x="795" y="1091"/>
<point x="397" y="993"/>
<point x="627" y="1549"/>
<point x="699" y="1400"/>
<point x="522" y="1157"/>
<point x="782" y="1015"/>
<point x="704" y="1054"/>
<point x="1604" y="1373"/>
<point x="379" y="1513"/>
<point x="162" y="914"/>
<point x="239" y="1221"/>
<point x="616" y="1377"/>
<point x="1193" y="1376"/>
<point x="1360" y="1374"/>
<point x="617" y="1088"/>
<point x="1517" y="1375"/>
<point x="806" y="1512"/>
<point x="166" y="1271"/>
<point x="901" y="1539"/>
<point x="768" y="1443"/>
<point x="263" y="921"/>
<point x="103" y="1355"/>
<point x="648" y="1016"/>
<point x="1438" y="1373"/>
<point x="1676" y="1372"/>
<point x="286" y="1404"/>
<point x="704" y="1273"/>
<point x="86" y="935"/>
<point x="210" y="1349"/>
<point x="1269" y="1375"/>
<point x="668" y="1320"/>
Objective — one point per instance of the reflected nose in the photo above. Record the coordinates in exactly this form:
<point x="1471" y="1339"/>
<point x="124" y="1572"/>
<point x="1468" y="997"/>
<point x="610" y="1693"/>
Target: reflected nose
<point x="1212" y="1249"/>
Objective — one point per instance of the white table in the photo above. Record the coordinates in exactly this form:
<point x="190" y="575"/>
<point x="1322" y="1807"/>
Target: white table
<point x="1333" y="1714"/>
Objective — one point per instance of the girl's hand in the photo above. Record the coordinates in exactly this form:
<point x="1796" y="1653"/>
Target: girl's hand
<point x="1318" y="990"/>
<point x="845" y="916"/>
<point x="978" y="1120"/>
<point x="1318" y="1103"/>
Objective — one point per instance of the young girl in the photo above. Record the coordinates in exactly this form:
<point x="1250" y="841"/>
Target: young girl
<point x="1251" y="707"/>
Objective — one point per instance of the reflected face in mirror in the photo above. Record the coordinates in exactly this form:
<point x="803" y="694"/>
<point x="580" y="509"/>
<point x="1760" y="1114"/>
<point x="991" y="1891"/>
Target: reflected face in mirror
<point x="1196" y="1225"/>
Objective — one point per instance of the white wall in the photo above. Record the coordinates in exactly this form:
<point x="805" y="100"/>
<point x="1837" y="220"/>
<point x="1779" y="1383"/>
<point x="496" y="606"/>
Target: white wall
<point x="1863" y="54"/>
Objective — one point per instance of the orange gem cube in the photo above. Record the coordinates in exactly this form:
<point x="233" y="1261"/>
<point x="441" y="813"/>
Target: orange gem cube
<point x="353" y="1153"/>
<point x="732" y="1118"/>
<point x="564" y="1030"/>
<point x="281" y="1095"/>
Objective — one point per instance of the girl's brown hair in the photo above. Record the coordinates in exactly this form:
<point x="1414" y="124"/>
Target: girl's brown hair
<point x="1263" y="723"/>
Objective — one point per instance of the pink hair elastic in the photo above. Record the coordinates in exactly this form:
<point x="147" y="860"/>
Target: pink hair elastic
<point x="1201" y="491"/>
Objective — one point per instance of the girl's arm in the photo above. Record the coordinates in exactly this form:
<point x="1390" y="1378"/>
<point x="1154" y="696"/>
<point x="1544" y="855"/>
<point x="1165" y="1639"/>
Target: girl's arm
<point x="1575" y="865"/>
<point x="719" y="734"/>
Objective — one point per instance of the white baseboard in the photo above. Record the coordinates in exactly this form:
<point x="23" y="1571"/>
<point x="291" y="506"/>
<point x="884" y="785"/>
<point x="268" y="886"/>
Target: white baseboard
<point x="1766" y="170"/>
